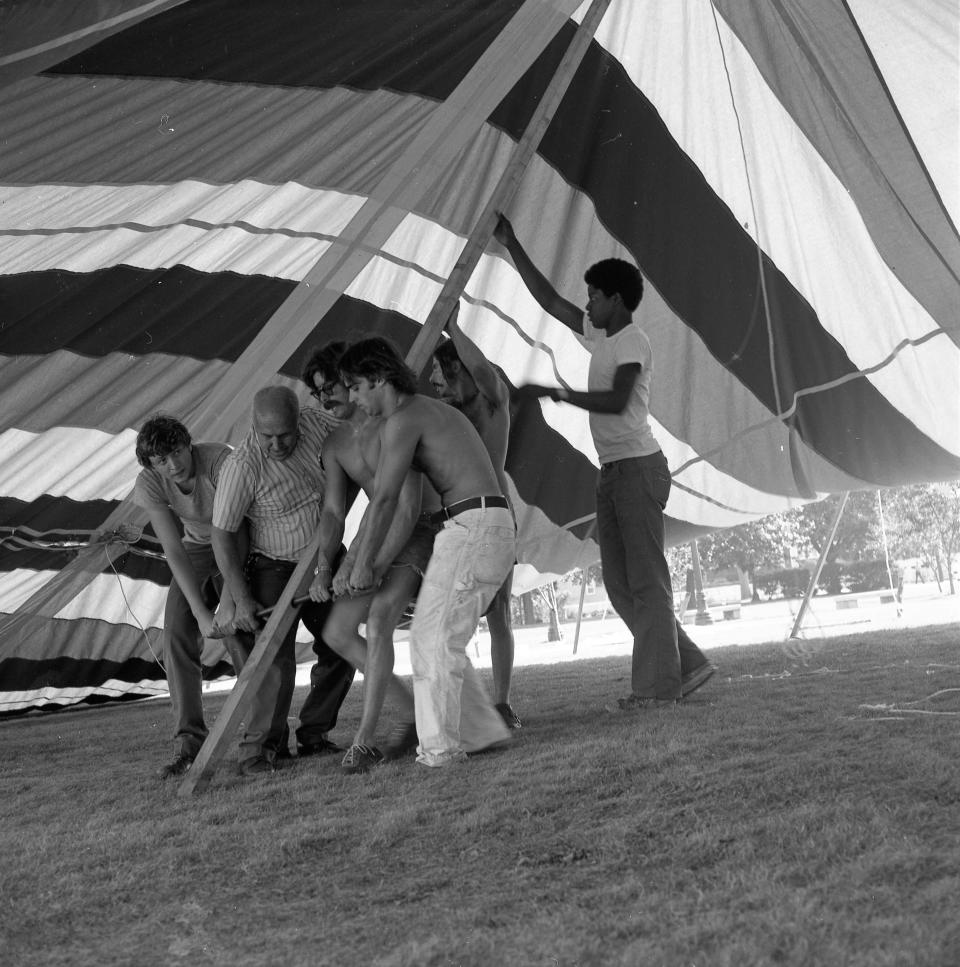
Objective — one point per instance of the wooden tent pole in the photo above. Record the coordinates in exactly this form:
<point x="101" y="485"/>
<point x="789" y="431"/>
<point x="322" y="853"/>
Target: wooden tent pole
<point x="505" y="189"/>
<point x="436" y="145"/>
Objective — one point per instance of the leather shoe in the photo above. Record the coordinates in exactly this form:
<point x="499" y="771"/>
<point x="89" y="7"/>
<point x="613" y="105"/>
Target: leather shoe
<point x="323" y="747"/>
<point x="181" y="763"/>
<point x="253" y="767"/>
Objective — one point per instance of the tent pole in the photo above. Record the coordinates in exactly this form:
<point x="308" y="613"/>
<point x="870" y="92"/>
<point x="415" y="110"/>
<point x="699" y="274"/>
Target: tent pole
<point x="886" y="554"/>
<point x="583" y="594"/>
<point x="408" y="181"/>
<point x="811" y="587"/>
<point x="505" y="189"/>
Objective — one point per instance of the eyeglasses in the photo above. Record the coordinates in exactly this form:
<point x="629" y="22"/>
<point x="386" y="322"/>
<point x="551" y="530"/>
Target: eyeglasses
<point x="326" y="389"/>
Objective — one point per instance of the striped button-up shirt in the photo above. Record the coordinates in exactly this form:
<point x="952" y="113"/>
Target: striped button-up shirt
<point x="279" y="498"/>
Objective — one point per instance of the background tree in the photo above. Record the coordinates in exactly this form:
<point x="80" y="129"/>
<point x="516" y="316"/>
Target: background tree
<point x="924" y="521"/>
<point x="760" y="544"/>
<point x="858" y="535"/>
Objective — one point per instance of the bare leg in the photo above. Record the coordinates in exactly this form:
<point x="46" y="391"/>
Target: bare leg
<point x="500" y="623"/>
<point x="398" y="587"/>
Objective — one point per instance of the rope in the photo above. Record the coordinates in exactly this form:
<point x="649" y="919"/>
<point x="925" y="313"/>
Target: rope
<point x="126" y="535"/>
<point x="756" y="226"/>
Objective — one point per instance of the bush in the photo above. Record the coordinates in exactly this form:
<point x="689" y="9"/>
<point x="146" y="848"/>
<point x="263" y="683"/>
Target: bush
<point x="835" y="578"/>
<point x="789" y="582"/>
<point x="856" y="576"/>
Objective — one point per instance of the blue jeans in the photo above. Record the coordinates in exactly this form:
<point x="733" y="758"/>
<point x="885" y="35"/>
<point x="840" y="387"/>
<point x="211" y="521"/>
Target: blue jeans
<point x="631" y="497"/>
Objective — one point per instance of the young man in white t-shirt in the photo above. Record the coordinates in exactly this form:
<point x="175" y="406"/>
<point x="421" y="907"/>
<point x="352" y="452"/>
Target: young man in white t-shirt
<point x="634" y="476"/>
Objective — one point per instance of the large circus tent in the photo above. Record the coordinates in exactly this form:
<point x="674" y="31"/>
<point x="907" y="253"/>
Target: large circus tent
<point x="194" y="193"/>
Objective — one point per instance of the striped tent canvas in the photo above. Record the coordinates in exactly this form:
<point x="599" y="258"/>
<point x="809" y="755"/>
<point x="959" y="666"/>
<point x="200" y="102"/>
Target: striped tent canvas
<point x="194" y="193"/>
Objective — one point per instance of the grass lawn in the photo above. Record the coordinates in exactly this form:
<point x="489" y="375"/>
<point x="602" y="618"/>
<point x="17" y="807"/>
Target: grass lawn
<point x="796" y="811"/>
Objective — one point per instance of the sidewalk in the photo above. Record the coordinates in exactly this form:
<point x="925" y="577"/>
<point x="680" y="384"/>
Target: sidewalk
<point x="923" y="604"/>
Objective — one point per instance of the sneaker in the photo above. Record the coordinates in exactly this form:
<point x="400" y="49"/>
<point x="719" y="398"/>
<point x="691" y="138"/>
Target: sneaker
<point x="181" y="763"/>
<point x="510" y="718"/>
<point x="282" y="754"/>
<point x="632" y="702"/>
<point x="402" y="741"/>
<point x="255" y="766"/>
<point x="323" y="747"/>
<point x="699" y="676"/>
<point x="360" y="758"/>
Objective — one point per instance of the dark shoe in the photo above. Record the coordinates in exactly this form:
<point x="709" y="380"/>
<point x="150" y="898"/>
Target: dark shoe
<point x="181" y="763"/>
<point x="360" y="758"/>
<point x="323" y="747"/>
<point x="402" y="741"/>
<point x="253" y="767"/>
<point x="632" y="702"/>
<point x="699" y="676"/>
<point x="510" y="718"/>
<point x="282" y="754"/>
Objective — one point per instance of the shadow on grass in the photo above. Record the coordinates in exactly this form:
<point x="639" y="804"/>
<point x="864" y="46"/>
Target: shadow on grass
<point x="796" y="810"/>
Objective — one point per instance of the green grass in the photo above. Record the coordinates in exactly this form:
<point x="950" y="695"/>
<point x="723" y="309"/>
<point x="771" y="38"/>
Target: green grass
<point x="792" y="812"/>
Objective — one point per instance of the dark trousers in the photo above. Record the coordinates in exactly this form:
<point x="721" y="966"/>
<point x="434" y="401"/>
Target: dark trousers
<point x="330" y="678"/>
<point x="183" y="647"/>
<point x="631" y="497"/>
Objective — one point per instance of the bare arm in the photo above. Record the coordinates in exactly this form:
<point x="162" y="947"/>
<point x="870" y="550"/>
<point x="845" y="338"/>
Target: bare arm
<point x="398" y="444"/>
<point x="612" y="400"/>
<point x="484" y="375"/>
<point x="332" y="519"/>
<point x="165" y="527"/>
<point x="536" y="282"/>
<point x="228" y="550"/>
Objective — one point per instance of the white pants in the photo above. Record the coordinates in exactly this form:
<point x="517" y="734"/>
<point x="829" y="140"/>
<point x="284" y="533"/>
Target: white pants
<point x="472" y="556"/>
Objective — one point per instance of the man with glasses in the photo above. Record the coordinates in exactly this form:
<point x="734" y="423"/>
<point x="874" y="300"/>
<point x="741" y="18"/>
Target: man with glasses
<point x="275" y="483"/>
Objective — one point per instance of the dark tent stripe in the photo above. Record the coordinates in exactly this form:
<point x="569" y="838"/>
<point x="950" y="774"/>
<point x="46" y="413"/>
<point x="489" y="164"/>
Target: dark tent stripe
<point x="671" y="240"/>
<point x="791" y="43"/>
<point x="30" y="676"/>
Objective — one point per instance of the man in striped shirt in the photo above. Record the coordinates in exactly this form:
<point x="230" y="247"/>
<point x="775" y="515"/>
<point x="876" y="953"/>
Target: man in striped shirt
<point x="274" y="481"/>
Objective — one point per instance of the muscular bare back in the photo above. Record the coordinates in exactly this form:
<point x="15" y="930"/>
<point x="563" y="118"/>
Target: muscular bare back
<point x="491" y="419"/>
<point x="446" y="447"/>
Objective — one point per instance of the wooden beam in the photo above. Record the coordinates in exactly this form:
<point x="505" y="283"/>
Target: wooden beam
<point x="506" y="188"/>
<point x="447" y="127"/>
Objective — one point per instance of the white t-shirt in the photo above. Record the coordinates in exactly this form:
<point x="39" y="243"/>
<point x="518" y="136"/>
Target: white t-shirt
<point x="618" y="436"/>
<point x="194" y="509"/>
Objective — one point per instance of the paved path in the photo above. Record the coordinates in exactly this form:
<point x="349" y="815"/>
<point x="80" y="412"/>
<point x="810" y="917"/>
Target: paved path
<point x="923" y="604"/>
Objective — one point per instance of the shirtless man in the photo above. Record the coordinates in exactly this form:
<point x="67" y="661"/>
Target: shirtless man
<point x="349" y="458"/>
<point x="463" y="377"/>
<point x="472" y="554"/>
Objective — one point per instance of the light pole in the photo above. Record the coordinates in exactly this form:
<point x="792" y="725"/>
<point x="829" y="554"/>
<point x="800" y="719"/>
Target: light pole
<point x="703" y="616"/>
